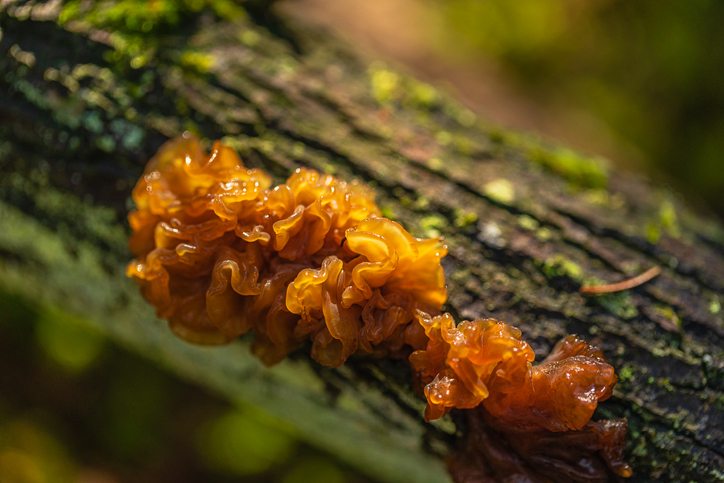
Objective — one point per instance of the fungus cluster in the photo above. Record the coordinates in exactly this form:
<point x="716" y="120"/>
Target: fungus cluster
<point x="220" y="253"/>
<point x="486" y="362"/>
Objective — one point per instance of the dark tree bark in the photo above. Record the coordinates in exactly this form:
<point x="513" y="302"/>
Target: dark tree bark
<point x="86" y="99"/>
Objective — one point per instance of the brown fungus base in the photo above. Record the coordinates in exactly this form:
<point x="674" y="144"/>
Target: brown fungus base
<point x="220" y="253"/>
<point x="496" y="452"/>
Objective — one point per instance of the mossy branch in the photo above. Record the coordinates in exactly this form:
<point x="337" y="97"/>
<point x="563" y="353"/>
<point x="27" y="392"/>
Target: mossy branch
<point x="87" y="96"/>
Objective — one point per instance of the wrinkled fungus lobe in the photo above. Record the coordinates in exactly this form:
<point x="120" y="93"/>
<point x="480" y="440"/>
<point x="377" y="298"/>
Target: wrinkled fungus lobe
<point x="485" y="361"/>
<point x="220" y="253"/>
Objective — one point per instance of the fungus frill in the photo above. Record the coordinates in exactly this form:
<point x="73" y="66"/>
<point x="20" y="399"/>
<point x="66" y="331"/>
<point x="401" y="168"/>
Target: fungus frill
<point x="460" y="359"/>
<point x="485" y="361"/>
<point x="540" y="414"/>
<point x="369" y="302"/>
<point x="219" y="253"/>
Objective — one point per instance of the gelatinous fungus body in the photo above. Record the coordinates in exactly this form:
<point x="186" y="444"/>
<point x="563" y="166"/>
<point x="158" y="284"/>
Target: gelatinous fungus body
<point x="220" y="253"/>
<point x="457" y="365"/>
<point x="485" y="361"/>
<point x="494" y="451"/>
<point x="524" y="423"/>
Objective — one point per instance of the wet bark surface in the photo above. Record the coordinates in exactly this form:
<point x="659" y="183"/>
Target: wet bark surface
<point x="84" y="104"/>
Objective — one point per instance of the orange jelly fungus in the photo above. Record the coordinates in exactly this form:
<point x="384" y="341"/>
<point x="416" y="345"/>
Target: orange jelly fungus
<point x="220" y="253"/>
<point x="485" y="361"/>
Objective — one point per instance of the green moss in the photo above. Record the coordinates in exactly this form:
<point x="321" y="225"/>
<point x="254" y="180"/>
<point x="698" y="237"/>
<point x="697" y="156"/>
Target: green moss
<point x="431" y="225"/>
<point x="227" y="9"/>
<point x="143" y="16"/>
<point x="580" y="171"/>
<point x="435" y="164"/>
<point x="191" y="126"/>
<point x="135" y="27"/>
<point x="264" y="145"/>
<point x="669" y="314"/>
<point x="544" y="234"/>
<point x="465" y="117"/>
<point x="500" y="190"/>
<point x="422" y="203"/>
<point x="668" y="219"/>
<point x="640" y="448"/>
<point x="443" y="138"/>
<point x="463" y="218"/>
<point x="653" y="233"/>
<point x="388" y="211"/>
<point x="298" y="149"/>
<point x="601" y="197"/>
<point x="715" y="306"/>
<point x="389" y="87"/>
<point x="249" y="38"/>
<point x="619" y="304"/>
<point x="424" y="95"/>
<point x="665" y="383"/>
<point x="560" y="266"/>
<point x="197" y="61"/>
<point x="462" y="145"/>
<point x="527" y="223"/>
<point x="625" y="374"/>
<point x="384" y="83"/>
<point x="461" y="276"/>
<point x="499" y="136"/>
<point x="664" y="222"/>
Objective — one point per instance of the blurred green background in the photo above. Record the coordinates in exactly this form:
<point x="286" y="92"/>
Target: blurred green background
<point x="638" y="81"/>
<point x="646" y="74"/>
<point x="75" y="408"/>
<point x="651" y="71"/>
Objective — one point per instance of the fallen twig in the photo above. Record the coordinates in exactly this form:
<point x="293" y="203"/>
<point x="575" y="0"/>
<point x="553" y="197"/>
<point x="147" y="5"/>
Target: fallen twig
<point x="625" y="285"/>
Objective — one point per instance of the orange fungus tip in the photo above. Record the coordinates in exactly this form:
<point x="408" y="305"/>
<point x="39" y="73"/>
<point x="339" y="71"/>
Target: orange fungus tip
<point x="220" y="252"/>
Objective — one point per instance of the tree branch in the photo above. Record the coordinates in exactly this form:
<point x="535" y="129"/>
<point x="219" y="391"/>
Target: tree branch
<point x="85" y="103"/>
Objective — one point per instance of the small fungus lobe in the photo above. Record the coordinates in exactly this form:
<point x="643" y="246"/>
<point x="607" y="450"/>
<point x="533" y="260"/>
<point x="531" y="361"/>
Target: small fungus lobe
<point x="220" y="253"/>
